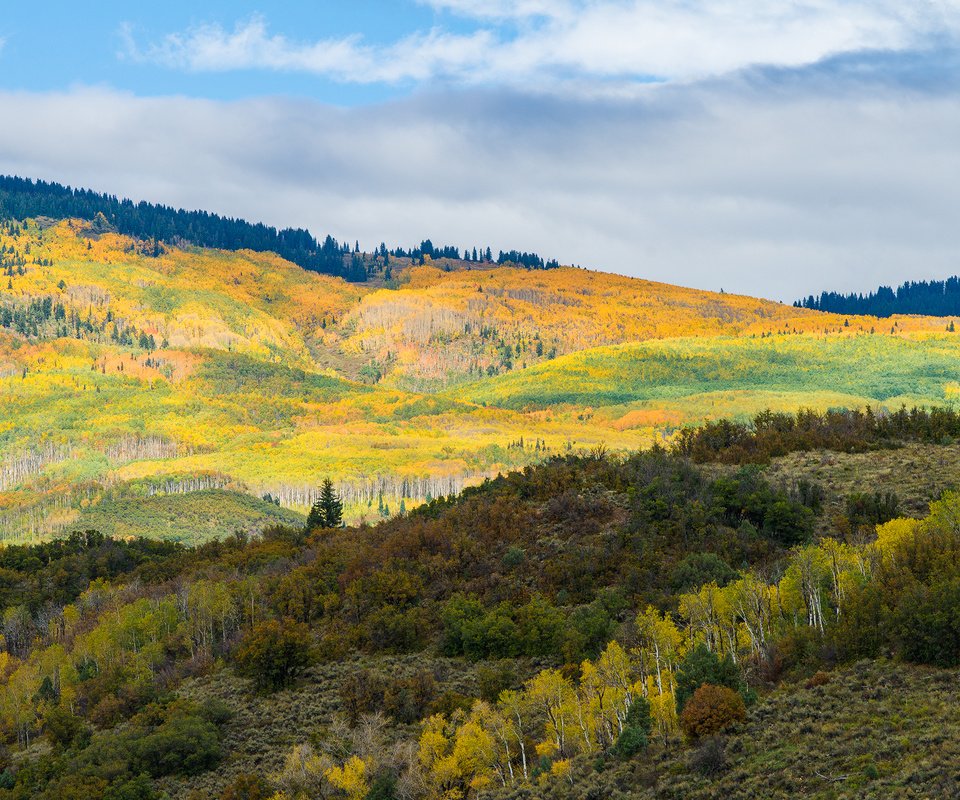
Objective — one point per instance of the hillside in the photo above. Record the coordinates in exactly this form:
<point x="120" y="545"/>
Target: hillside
<point x="544" y="635"/>
<point x="169" y="370"/>
<point x="693" y="376"/>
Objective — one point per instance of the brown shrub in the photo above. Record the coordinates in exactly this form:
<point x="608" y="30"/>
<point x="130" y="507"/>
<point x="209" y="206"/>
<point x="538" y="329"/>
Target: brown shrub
<point x="819" y="678"/>
<point x="711" y="710"/>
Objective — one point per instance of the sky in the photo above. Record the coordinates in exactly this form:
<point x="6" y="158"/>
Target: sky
<point x="768" y="148"/>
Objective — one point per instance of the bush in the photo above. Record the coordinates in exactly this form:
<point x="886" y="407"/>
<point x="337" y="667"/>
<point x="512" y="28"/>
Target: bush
<point x="492" y="679"/>
<point x="139" y="788"/>
<point x="712" y="709"/>
<point x="698" y="569"/>
<point x="274" y="654"/>
<point x="702" y="666"/>
<point x="819" y="678"/>
<point x="64" y="729"/>
<point x="710" y="759"/>
<point x="247" y="787"/>
<point x="630" y="742"/>
<point x="636" y="730"/>
<point x="184" y="745"/>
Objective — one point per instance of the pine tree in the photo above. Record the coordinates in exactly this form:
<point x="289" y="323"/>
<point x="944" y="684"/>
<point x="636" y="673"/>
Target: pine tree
<point x="327" y="512"/>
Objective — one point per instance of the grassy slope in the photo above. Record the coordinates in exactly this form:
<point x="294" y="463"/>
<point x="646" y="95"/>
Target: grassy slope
<point x="918" y="474"/>
<point x="877" y="368"/>
<point x="198" y="517"/>
<point x="875" y="731"/>
<point x="822" y="742"/>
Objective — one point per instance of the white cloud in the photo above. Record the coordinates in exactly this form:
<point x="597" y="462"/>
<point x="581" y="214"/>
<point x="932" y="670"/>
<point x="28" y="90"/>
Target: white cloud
<point x="721" y="184"/>
<point x="551" y="42"/>
<point x="250" y="45"/>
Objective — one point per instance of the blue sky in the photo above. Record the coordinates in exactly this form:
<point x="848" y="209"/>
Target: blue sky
<point x="773" y="147"/>
<point x="86" y="43"/>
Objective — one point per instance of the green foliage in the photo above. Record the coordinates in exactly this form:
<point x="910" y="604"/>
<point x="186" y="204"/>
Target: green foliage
<point x="698" y="569"/>
<point x="534" y="629"/>
<point x="65" y="729"/>
<point x="636" y="730"/>
<point x="701" y="666"/>
<point x="274" y="654"/>
<point x="184" y="744"/>
<point x="866" y="509"/>
<point x="327" y="512"/>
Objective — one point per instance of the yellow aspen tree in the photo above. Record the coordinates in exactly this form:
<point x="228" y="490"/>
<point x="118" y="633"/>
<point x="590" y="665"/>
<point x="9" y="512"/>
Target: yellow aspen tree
<point x="516" y="708"/>
<point x="350" y="778"/>
<point x="553" y="694"/>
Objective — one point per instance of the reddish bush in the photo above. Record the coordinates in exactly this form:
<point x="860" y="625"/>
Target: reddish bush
<point x="711" y="710"/>
<point x="820" y="678"/>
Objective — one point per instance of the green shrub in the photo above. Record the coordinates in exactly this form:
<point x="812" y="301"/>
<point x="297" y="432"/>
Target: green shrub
<point x="701" y="666"/>
<point x="184" y="745"/>
<point x="274" y="654"/>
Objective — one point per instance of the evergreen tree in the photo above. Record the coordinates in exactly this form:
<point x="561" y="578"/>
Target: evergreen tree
<point x="327" y="512"/>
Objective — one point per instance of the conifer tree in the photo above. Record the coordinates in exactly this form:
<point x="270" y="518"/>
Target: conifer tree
<point x="327" y="512"/>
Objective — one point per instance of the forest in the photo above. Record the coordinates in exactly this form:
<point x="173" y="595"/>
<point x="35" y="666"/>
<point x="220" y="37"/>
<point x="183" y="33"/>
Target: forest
<point x="595" y="625"/>
<point x="930" y="298"/>
<point x="22" y="198"/>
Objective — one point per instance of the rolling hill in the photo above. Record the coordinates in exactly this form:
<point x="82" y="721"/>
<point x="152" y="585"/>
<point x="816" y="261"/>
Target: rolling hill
<point x="130" y="369"/>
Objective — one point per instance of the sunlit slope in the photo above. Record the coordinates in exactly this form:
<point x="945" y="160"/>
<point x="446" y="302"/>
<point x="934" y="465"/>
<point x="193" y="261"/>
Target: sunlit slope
<point x="74" y="436"/>
<point x="108" y="284"/>
<point x="442" y="327"/>
<point x="687" y="375"/>
<point x="131" y="373"/>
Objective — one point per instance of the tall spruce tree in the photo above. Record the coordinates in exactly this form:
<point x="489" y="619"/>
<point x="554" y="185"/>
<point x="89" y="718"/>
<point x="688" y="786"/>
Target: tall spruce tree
<point x="327" y="512"/>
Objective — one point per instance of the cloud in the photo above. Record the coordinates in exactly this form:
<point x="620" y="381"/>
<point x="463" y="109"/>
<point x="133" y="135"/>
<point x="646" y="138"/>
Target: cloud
<point x="250" y="45"/>
<point x="773" y="182"/>
<point x="553" y="43"/>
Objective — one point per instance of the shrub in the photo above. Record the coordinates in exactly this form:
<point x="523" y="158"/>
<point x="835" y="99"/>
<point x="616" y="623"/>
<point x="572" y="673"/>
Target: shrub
<point x="274" y="654"/>
<point x="819" y="678"/>
<point x="184" y="744"/>
<point x="711" y="710"/>
<point x="630" y="742"/>
<point x="636" y="730"/>
<point x="698" y="569"/>
<point x="702" y="666"/>
<point x="407" y="699"/>
<point x="495" y="678"/>
<point x="139" y="788"/>
<point x="64" y="729"/>
<point x="247" y="787"/>
<point x="710" y="758"/>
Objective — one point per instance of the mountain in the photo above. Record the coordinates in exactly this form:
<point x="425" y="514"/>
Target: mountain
<point x="604" y="537"/>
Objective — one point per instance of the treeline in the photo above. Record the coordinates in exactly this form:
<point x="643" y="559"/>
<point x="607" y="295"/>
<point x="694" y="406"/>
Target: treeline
<point x="473" y="256"/>
<point x="22" y="198"/>
<point x="930" y="298"/>
<point x="773" y="434"/>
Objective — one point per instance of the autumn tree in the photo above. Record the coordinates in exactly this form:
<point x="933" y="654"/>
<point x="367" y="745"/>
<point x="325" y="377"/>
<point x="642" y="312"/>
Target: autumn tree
<point x="711" y="710"/>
